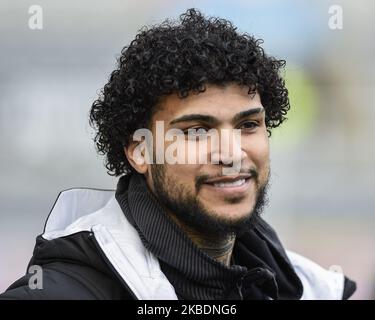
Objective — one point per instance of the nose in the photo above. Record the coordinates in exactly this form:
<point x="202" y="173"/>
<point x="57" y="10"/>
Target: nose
<point x="227" y="149"/>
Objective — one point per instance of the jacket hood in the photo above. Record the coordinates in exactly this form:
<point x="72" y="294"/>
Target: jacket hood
<point x="87" y="227"/>
<point x="75" y="246"/>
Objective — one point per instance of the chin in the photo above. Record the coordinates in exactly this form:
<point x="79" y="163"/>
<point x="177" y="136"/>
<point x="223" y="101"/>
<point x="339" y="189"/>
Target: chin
<point x="232" y="214"/>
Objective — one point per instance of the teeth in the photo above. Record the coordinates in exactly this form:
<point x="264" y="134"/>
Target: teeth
<point x="236" y="183"/>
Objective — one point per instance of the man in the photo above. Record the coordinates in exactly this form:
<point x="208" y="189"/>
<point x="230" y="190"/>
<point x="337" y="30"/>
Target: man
<point x="185" y="226"/>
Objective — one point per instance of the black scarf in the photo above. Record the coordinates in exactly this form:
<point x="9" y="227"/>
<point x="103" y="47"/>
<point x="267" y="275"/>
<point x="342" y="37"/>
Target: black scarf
<point x="261" y="270"/>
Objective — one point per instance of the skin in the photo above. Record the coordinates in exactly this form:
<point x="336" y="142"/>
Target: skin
<point x="223" y="104"/>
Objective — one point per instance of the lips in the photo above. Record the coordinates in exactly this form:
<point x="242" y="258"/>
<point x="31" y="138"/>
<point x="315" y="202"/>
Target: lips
<point x="235" y="183"/>
<point x="229" y="180"/>
<point x="230" y="185"/>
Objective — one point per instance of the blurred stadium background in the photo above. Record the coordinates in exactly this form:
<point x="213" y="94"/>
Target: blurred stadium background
<point x="322" y="201"/>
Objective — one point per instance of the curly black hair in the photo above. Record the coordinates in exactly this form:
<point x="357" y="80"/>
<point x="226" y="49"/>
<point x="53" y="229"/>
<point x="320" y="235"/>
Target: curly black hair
<point x="180" y="56"/>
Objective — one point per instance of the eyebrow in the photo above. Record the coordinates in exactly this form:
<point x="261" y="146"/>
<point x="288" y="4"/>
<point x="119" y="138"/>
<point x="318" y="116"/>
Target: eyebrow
<point x="247" y="113"/>
<point x="212" y="120"/>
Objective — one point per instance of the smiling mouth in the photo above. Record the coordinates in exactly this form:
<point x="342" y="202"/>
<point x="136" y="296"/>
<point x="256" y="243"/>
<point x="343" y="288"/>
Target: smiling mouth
<point x="235" y="183"/>
<point x="230" y="184"/>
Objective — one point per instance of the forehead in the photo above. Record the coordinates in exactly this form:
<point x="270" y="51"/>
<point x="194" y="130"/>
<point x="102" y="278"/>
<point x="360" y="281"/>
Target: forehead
<point x="219" y="102"/>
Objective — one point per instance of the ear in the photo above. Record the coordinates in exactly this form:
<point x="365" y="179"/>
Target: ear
<point x="136" y="157"/>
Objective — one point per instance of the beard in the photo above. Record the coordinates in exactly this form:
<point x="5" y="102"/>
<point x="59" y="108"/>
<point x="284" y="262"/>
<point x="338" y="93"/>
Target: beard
<point x="185" y="206"/>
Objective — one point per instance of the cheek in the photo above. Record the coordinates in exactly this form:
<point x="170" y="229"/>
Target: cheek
<point x="258" y="151"/>
<point x="183" y="174"/>
<point x="189" y="159"/>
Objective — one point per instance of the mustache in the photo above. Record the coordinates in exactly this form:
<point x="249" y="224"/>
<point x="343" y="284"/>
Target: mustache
<point x="201" y="179"/>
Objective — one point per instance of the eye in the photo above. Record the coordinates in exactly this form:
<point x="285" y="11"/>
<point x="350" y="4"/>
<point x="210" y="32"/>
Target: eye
<point x="201" y="130"/>
<point x="196" y="132"/>
<point x="249" y="125"/>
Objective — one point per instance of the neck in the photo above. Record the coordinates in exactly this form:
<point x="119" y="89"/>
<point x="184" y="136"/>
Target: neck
<point x="218" y="247"/>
